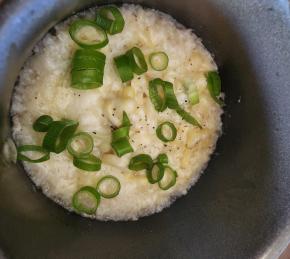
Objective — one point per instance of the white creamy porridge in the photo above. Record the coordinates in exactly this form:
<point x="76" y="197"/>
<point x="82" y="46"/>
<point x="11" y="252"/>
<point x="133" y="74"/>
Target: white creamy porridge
<point x="45" y="88"/>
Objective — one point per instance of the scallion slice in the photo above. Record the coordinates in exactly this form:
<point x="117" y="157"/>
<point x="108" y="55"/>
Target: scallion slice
<point x="171" y="101"/>
<point x="80" y="145"/>
<point x="109" y="186"/>
<point x="88" y="34"/>
<point x="155" y="173"/>
<point x="137" y="61"/>
<point x="42" y="123"/>
<point x="168" y="179"/>
<point x="214" y="86"/>
<point x="122" y="146"/>
<point x="58" y="135"/>
<point x="120" y="137"/>
<point x="110" y="19"/>
<point x="166" y="131"/>
<point x="86" y="79"/>
<point x="124" y="68"/>
<point x="91" y="59"/>
<point x="162" y="158"/>
<point x="120" y="133"/>
<point x="86" y="200"/>
<point x="32" y="154"/>
<point x="140" y="162"/>
<point x="188" y="118"/>
<point x="87" y="163"/>
<point x="158" y="60"/>
<point x="157" y="94"/>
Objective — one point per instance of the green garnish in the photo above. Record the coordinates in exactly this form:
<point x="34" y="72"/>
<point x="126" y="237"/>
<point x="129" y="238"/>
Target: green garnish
<point x="42" y="123"/>
<point x="86" y="200"/>
<point x="168" y="179"/>
<point x="58" y="135"/>
<point x="140" y="162"/>
<point x="158" y="60"/>
<point x="105" y="21"/>
<point x="214" y="86"/>
<point x="81" y="31"/>
<point x="120" y="137"/>
<point x="166" y="131"/>
<point x="137" y="61"/>
<point x="124" y="68"/>
<point x="157" y="94"/>
<point x="32" y="154"/>
<point x="109" y="187"/>
<point x="80" y="145"/>
<point x="155" y="173"/>
<point x="87" y="163"/>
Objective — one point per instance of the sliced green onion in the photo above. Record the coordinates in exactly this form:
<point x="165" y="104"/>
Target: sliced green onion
<point x="86" y="200"/>
<point x="122" y="146"/>
<point x="137" y="61"/>
<point x="110" y="19"/>
<point x="88" y="34"/>
<point x="214" y="86"/>
<point x="166" y="131"/>
<point x="158" y="60"/>
<point x="86" y="79"/>
<point x="42" y="123"/>
<point x="58" y="135"/>
<point x="188" y="118"/>
<point x="120" y="137"/>
<point x="124" y="68"/>
<point x="193" y="97"/>
<point x="155" y="174"/>
<point x="168" y="179"/>
<point x="157" y="94"/>
<point x="32" y="154"/>
<point x="89" y="59"/>
<point x="120" y="133"/>
<point x="171" y="101"/>
<point x="140" y="162"/>
<point x="88" y="163"/>
<point x="80" y="145"/>
<point x="109" y="186"/>
<point x="162" y="158"/>
<point x="126" y="120"/>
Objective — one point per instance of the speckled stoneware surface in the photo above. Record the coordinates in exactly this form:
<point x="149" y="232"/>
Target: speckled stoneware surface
<point x="240" y="208"/>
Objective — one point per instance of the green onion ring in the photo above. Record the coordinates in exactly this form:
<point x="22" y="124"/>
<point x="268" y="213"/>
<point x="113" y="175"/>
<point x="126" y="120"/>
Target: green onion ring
<point x="140" y="162"/>
<point x="85" y="143"/>
<point x="214" y="86"/>
<point x="32" y="148"/>
<point x="86" y="200"/>
<point x="162" y="158"/>
<point x="109" y="186"/>
<point x="88" y="59"/>
<point x="78" y="25"/>
<point x="111" y="26"/>
<point x="58" y="135"/>
<point x="124" y="68"/>
<point x="157" y="94"/>
<point x="160" y="133"/>
<point x="158" y="60"/>
<point x="137" y="61"/>
<point x="155" y="173"/>
<point x="122" y="146"/>
<point x="42" y="123"/>
<point x="89" y="163"/>
<point x="168" y="179"/>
